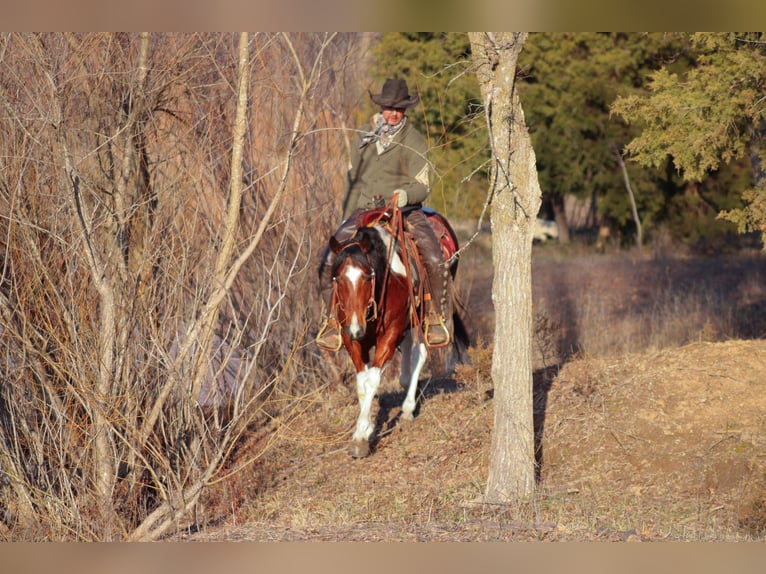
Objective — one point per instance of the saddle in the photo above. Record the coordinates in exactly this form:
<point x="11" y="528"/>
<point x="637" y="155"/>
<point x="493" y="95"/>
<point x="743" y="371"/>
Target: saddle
<point x="391" y="219"/>
<point x="384" y="216"/>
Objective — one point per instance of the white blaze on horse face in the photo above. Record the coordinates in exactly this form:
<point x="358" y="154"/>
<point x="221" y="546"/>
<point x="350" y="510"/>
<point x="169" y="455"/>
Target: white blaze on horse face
<point x="354" y="276"/>
<point x="397" y="266"/>
<point x="355" y="328"/>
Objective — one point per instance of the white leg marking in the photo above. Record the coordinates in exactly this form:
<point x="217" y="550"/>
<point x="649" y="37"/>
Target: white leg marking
<point x="367" y="382"/>
<point x="419" y="355"/>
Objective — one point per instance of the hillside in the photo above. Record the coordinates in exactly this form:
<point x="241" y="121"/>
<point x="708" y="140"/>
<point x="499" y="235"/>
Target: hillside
<point x="650" y="445"/>
<point x="655" y="446"/>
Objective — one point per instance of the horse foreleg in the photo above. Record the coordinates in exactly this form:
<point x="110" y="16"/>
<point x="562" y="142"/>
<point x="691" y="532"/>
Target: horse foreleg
<point x="418" y="355"/>
<point x="367" y="382"/>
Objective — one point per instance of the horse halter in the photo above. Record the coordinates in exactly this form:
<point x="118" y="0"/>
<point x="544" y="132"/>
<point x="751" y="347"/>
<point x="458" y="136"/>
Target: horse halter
<point x="372" y="305"/>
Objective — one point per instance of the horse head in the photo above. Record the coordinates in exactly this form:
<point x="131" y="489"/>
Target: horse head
<point x="354" y="281"/>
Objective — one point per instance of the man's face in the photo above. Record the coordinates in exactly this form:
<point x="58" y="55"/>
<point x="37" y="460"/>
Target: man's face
<point x="392" y="116"/>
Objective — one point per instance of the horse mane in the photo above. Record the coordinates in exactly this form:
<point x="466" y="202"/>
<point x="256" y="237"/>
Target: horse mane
<point x="379" y="252"/>
<point x="376" y="256"/>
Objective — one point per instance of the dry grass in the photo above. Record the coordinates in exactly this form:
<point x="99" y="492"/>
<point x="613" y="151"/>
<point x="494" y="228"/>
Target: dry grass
<point x="650" y="413"/>
<point x="617" y="304"/>
<point x="668" y="443"/>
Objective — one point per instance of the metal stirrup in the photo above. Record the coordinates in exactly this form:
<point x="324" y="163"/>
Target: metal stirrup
<point x="322" y="330"/>
<point x="446" y="330"/>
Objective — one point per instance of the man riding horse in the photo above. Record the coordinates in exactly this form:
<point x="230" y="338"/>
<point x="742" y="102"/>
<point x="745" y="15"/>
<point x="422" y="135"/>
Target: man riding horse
<point x="390" y="164"/>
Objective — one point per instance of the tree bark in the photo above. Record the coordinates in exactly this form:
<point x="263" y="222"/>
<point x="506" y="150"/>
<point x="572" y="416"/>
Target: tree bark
<point x="629" y="189"/>
<point x="515" y="199"/>
<point x="560" y="217"/>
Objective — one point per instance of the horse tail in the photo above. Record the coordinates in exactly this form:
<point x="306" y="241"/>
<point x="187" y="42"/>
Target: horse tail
<point x="461" y="338"/>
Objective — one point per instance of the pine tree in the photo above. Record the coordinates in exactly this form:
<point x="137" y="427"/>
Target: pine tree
<point x="713" y="115"/>
<point x="569" y="82"/>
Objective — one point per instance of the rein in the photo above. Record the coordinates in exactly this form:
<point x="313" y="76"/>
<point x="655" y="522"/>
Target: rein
<point x="398" y="227"/>
<point x="372" y="303"/>
<point x="395" y="222"/>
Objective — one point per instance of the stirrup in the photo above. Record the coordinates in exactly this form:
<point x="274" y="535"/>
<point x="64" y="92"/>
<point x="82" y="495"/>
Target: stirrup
<point x="324" y="344"/>
<point x="427" y="332"/>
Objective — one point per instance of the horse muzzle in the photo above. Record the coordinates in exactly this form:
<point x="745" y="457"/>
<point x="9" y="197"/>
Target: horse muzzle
<point x="356" y="328"/>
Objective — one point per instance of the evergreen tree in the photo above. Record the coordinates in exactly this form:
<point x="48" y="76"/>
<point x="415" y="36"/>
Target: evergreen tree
<point x="710" y="116"/>
<point x="570" y="81"/>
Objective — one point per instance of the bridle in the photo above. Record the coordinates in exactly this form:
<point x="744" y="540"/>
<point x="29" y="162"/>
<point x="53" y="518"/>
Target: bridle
<point x="372" y="305"/>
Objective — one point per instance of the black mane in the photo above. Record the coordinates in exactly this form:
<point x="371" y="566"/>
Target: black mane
<point x="376" y="256"/>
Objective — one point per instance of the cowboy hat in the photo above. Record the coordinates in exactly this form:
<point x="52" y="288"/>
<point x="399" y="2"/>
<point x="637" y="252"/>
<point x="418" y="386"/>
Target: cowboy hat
<point x="394" y="95"/>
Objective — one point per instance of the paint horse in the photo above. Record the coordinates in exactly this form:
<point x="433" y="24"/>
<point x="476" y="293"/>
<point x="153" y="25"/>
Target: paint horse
<point x="378" y="291"/>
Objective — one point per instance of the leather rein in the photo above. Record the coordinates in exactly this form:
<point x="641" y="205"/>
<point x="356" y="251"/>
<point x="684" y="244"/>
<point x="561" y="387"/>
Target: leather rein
<point x="392" y="218"/>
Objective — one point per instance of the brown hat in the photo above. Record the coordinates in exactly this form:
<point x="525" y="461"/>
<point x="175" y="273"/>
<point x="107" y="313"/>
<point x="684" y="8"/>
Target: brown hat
<point x="394" y="95"/>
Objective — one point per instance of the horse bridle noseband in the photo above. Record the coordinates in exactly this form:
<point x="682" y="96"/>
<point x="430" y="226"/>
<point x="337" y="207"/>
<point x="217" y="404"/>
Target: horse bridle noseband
<point x="372" y="305"/>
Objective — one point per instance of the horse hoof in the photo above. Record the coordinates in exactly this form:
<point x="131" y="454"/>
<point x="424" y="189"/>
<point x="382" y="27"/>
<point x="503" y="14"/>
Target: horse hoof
<point x="407" y="418"/>
<point x="359" y="448"/>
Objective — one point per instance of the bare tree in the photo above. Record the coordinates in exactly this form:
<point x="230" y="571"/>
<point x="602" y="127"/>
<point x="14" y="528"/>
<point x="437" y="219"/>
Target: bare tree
<point x="515" y="199"/>
<point x="158" y="194"/>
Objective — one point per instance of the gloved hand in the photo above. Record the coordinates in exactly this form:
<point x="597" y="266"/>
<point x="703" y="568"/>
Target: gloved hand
<point x="401" y="197"/>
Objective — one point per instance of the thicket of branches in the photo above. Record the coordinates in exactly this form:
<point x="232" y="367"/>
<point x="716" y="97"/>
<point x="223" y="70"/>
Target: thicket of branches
<point x="163" y="198"/>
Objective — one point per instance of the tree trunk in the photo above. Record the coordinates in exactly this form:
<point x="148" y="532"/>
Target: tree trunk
<point x="757" y="144"/>
<point x="560" y="216"/>
<point x="103" y="466"/>
<point x="516" y="199"/>
<point x="629" y="189"/>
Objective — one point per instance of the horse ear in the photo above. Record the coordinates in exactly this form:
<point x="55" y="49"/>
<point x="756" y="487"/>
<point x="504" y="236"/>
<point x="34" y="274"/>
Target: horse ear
<point x="335" y="245"/>
<point x="364" y="239"/>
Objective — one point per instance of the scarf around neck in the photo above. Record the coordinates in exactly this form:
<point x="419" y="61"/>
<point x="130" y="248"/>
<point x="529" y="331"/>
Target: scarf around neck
<point x="383" y="132"/>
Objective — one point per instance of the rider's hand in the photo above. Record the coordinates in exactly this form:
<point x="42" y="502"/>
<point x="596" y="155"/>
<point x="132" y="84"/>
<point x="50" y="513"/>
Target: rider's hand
<point x="401" y="197"/>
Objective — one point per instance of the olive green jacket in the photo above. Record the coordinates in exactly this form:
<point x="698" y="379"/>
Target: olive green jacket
<point x="380" y="172"/>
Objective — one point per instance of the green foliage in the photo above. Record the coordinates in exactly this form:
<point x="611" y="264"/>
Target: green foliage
<point x="714" y="114"/>
<point x="693" y="214"/>
<point x="753" y="216"/>
<point x="569" y="83"/>
<point x="437" y="67"/>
